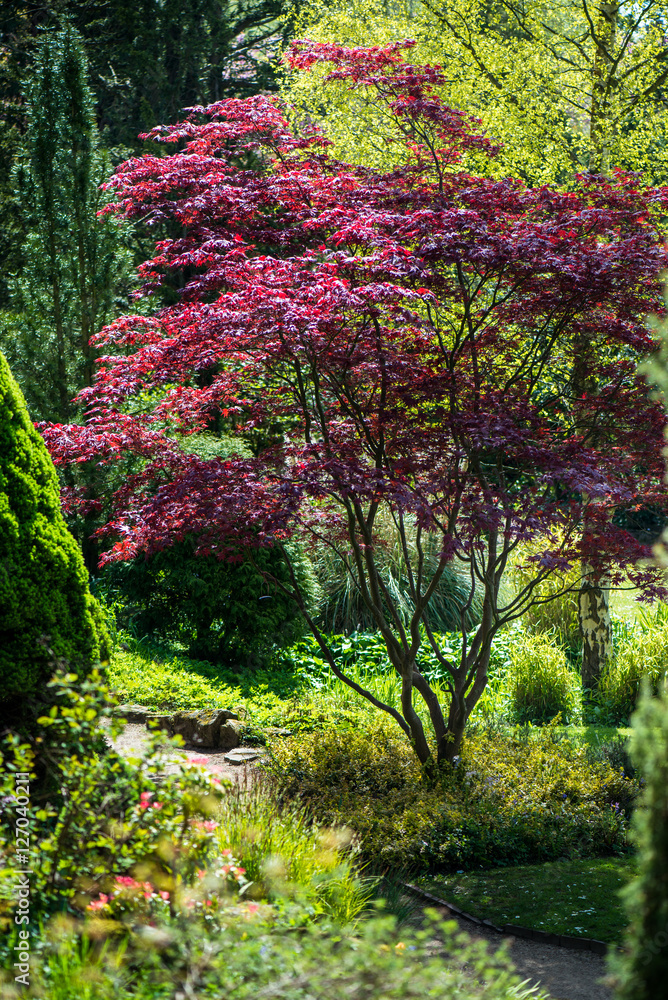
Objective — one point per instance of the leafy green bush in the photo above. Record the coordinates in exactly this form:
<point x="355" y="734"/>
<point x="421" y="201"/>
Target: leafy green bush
<point x="46" y="609"/>
<point x="99" y="815"/>
<point x="106" y="822"/>
<point x="541" y="684"/>
<point x="222" y="611"/>
<point x="641" y="652"/>
<point x="247" y="954"/>
<point x="642" y="968"/>
<point x="530" y="796"/>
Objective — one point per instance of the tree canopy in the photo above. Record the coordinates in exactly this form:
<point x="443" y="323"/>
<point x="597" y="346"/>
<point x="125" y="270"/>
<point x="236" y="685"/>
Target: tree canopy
<point x="409" y="336"/>
<point x="564" y="87"/>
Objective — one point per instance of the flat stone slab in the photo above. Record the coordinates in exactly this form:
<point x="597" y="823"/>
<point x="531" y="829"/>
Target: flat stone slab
<point x="133" y="713"/>
<point x="243" y="756"/>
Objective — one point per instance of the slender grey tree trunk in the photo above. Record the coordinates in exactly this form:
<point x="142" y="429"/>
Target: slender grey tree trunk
<point x="595" y="627"/>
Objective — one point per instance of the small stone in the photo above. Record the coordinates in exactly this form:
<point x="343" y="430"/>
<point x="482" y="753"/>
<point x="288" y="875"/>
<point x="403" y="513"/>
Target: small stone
<point x="242" y="756"/>
<point x="230" y="735"/>
<point x="159" y="722"/>
<point x="133" y="713"/>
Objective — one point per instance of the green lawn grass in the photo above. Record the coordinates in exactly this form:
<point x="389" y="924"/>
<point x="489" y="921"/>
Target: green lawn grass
<point x="560" y="897"/>
<point x="297" y="692"/>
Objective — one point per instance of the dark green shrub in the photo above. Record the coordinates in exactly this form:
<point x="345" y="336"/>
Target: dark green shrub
<point x="509" y="799"/>
<point x="222" y="611"/>
<point x="642" y="968"/>
<point x="45" y="603"/>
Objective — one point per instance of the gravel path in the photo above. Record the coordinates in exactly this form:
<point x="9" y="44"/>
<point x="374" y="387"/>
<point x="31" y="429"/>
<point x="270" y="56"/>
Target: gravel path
<point x="565" y="974"/>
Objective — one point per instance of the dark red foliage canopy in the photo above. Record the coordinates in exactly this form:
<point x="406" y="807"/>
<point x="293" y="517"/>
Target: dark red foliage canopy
<point x="458" y="351"/>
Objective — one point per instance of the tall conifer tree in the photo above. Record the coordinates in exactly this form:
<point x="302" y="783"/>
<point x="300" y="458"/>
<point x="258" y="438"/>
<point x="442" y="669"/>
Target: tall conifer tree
<point x="75" y="265"/>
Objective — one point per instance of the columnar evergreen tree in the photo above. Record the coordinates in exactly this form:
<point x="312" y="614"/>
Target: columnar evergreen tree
<point x="642" y="967"/>
<point x="74" y="265"/>
<point x="46" y="609"/>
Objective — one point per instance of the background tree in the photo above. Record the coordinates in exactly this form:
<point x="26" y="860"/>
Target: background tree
<point x="415" y="331"/>
<point x="74" y="273"/>
<point x="564" y="88"/>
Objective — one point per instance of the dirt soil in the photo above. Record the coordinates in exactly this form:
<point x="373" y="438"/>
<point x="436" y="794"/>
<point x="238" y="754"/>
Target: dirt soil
<point x="565" y="974"/>
<point x="134" y="740"/>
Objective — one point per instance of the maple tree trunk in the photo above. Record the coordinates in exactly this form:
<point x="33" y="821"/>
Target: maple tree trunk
<point x="595" y="627"/>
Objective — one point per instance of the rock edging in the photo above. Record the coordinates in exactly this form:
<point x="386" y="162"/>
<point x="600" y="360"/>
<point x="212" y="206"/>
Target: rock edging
<point x="515" y="930"/>
<point x="218" y="729"/>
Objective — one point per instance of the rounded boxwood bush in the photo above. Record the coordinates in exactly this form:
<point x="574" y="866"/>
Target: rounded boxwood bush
<point x="46" y="609"/>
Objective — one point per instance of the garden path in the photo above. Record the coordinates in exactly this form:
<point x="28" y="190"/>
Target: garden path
<point x="134" y="740"/>
<point x="567" y="975"/>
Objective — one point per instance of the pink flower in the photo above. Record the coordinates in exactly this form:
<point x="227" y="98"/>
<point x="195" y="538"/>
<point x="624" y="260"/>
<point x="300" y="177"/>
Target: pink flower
<point x="126" y="881"/>
<point x="99" y="903"/>
<point x="253" y="907"/>
<point x="199" y="760"/>
<point x="226" y="852"/>
<point x="157" y="805"/>
<point x="144" y="800"/>
<point x="164" y="895"/>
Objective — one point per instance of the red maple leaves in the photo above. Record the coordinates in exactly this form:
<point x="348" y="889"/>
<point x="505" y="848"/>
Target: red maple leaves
<point x="457" y="351"/>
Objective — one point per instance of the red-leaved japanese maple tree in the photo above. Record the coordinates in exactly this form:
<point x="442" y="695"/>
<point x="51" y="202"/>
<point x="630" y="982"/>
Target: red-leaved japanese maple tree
<point x="409" y="341"/>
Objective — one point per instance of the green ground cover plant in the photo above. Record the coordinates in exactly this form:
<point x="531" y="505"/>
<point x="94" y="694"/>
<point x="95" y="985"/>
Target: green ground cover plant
<point x="295" y="688"/>
<point x="248" y="954"/>
<point x="578" y="897"/>
<point x="518" y="797"/>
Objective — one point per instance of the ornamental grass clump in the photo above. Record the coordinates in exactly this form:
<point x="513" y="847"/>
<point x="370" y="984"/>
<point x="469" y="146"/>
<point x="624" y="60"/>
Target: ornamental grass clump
<point x="643" y="652"/>
<point x="541" y="684"/>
